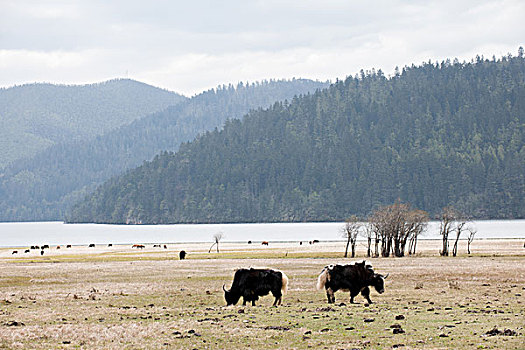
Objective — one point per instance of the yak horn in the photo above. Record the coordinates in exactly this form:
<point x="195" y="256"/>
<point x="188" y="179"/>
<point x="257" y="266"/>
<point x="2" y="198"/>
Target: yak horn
<point x="386" y="275"/>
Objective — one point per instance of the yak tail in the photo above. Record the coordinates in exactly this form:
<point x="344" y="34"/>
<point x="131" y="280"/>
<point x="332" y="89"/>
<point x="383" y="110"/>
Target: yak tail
<point x="284" y="287"/>
<point x="323" y="277"/>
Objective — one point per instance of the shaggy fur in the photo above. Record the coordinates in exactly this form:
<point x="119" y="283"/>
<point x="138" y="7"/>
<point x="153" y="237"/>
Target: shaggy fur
<point x="354" y="278"/>
<point x="250" y="284"/>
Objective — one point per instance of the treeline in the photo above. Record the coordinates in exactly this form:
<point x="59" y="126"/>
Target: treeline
<point x="433" y="135"/>
<point x="43" y="187"/>
<point x="36" y="116"/>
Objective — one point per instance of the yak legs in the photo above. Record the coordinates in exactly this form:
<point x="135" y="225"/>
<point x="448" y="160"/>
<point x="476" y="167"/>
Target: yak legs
<point x="365" y="292"/>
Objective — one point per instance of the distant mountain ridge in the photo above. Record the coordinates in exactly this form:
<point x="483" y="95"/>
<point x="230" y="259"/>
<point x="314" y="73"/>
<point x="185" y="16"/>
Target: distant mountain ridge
<point x="36" y="116"/>
<point x="432" y="135"/>
<point x="42" y="187"/>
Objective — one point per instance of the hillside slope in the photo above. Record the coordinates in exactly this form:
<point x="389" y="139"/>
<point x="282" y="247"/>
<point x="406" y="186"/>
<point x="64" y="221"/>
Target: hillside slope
<point x="41" y="188"/>
<point x="36" y="116"/>
<point x="432" y="135"/>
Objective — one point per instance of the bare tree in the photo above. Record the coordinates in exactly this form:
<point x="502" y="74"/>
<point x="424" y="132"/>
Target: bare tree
<point x="470" y="238"/>
<point x="448" y="216"/>
<point x="395" y="225"/>
<point x="418" y="221"/>
<point x="461" y="222"/>
<point x="350" y="232"/>
<point x="217" y="238"/>
<point x="368" y="234"/>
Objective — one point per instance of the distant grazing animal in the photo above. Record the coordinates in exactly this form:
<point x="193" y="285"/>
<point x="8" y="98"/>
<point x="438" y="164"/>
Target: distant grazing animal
<point x="249" y="242"/>
<point x="182" y="255"/>
<point x="300" y="243"/>
<point x="68" y="246"/>
<point x="138" y="246"/>
<point x="110" y="245"/>
<point x="264" y="243"/>
<point x="58" y="247"/>
<point x="37" y="247"/>
<point x="250" y="284"/>
<point x="92" y="245"/>
<point x="42" y="252"/>
<point x="315" y="241"/>
<point x="353" y="278"/>
<point x="33" y="247"/>
<point x="165" y="246"/>
<point x="26" y="251"/>
<point x="45" y="246"/>
<point x="14" y="252"/>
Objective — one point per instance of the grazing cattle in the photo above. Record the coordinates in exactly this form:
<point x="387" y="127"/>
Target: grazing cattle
<point x="250" y="284"/>
<point x="249" y="242"/>
<point x="14" y="252"/>
<point x="42" y="252"/>
<point x="45" y="246"/>
<point x="353" y="278"/>
<point x="182" y="255"/>
<point x="165" y="246"/>
<point x="110" y="245"/>
<point x="26" y="251"/>
<point x="315" y="241"/>
<point x="68" y="246"/>
<point x="92" y="245"/>
<point x="33" y="247"/>
<point x="138" y="246"/>
<point x="58" y="247"/>
<point x="37" y="247"/>
<point x="264" y="243"/>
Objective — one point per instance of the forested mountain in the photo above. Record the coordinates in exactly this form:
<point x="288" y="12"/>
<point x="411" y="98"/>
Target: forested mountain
<point x="36" y="116"/>
<point x="433" y="135"/>
<point x="42" y="187"/>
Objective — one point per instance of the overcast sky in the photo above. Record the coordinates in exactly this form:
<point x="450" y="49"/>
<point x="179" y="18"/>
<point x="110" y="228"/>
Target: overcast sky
<point x="190" y="46"/>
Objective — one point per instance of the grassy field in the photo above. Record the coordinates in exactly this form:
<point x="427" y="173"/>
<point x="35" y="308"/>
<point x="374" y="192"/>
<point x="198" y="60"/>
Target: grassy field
<point x="113" y="298"/>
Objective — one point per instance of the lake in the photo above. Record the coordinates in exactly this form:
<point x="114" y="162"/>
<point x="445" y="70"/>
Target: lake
<point x="20" y="234"/>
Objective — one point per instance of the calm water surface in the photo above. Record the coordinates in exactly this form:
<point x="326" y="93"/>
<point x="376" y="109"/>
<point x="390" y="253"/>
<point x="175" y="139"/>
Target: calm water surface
<point x="55" y="233"/>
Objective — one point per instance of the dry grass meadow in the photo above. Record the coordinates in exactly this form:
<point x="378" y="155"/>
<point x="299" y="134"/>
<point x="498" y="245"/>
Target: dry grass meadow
<point x="121" y="298"/>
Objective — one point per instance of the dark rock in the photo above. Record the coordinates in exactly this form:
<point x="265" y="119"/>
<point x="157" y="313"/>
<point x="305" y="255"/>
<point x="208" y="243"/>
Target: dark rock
<point x="507" y="332"/>
<point x="395" y="346"/>
<point x="277" y="328"/>
<point x="398" y="330"/>
<point x="241" y="311"/>
<point x="400" y="317"/>
<point x="349" y="328"/>
<point x="395" y="325"/>
<point x="325" y="330"/>
<point x="14" y="324"/>
<point x="369" y="319"/>
<point x="308" y="332"/>
<point x="324" y="309"/>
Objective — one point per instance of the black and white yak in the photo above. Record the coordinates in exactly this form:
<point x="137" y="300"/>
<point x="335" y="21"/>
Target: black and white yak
<point x="353" y="278"/>
<point x="252" y="283"/>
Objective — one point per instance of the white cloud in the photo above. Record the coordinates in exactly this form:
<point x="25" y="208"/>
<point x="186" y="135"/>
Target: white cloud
<point x="192" y="46"/>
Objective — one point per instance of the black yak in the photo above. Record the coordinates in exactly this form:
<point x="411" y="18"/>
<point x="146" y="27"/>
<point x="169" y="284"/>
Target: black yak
<point x="253" y="283"/>
<point x="354" y="278"/>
